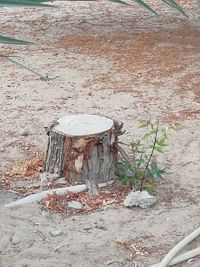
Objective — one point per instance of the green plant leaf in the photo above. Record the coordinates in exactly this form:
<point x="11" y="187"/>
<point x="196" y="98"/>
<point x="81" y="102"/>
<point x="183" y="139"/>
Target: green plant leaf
<point x="124" y="165"/>
<point x="144" y="5"/>
<point x="154" y="166"/>
<point x="119" y="2"/>
<point x="150" y="174"/>
<point x="20" y="3"/>
<point x="42" y="77"/>
<point x="146" y="135"/>
<point x="174" y="4"/>
<point x="155" y="169"/>
<point x="158" y="149"/>
<point x="149" y="187"/>
<point x="144" y="123"/>
<point x="175" y="126"/>
<point x="24" y="3"/>
<point x="145" y="169"/>
<point x="171" y="3"/>
<point x="141" y="160"/>
<point x="10" y="40"/>
<point x="161" y="141"/>
<point x="166" y="132"/>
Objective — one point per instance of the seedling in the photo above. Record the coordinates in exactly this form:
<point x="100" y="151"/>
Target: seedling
<point x="139" y="168"/>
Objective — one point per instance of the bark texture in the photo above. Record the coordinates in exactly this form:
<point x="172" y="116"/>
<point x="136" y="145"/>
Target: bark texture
<point x="90" y="158"/>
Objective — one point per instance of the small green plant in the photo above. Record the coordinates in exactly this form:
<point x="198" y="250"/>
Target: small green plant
<point x="139" y="168"/>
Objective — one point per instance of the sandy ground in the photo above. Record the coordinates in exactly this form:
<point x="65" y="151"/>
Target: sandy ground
<point x="114" y="60"/>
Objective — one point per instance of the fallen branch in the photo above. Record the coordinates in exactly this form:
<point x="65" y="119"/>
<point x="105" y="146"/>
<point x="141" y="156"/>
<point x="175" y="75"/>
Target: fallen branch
<point x="39" y="196"/>
<point x="59" y="191"/>
<point x="60" y="246"/>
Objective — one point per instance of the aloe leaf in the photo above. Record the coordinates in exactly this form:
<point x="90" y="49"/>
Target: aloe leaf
<point x="171" y="3"/>
<point x="24" y="3"/>
<point x="174" y="4"/>
<point x="143" y="4"/>
<point x="42" y="77"/>
<point x="119" y="2"/>
<point x="10" y="40"/>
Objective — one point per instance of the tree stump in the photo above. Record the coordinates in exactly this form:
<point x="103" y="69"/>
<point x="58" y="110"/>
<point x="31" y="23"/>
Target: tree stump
<point x="83" y="148"/>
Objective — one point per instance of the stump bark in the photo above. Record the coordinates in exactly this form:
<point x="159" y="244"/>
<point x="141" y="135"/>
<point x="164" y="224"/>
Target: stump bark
<point x="83" y="148"/>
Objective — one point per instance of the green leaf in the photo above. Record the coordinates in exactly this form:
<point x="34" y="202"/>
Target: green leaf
<point x="149" y="187"/>
<point x="174" y="4"/>
<point x="119" y="2"/>
<point x="124" y="165"/>
<point x="42" y="77"/>
<point x="171" y="3"/>
<point x="165" y="132"/>
<point x="24" y="3"/>
<point x="158" y="149"/>
<point x="162" y="171"/>
<point x="10" y="40"/>
<point x="163" y="145"/>
<point x="139" y="160"/>
<point x="146" y="135"/>
<point x="155" y="169"/>
<point x="175" y="126"/>
<point x="150" y="174"/>
<point x="135" y="145"/>
<point x="161" y="141"/>
<point x="124" y="179"/>
<point x="144" y="5"/>
<point x="154" y="166"/>
<point x="144" y="123"/>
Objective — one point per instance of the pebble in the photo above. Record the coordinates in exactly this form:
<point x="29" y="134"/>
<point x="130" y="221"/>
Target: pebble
<point x="24" y="132"/>
<point x="60" y="181"/>
<point x="109" y="262"/>
<point x="55" y="232"/>
<point x="17" y="238"/>
<point x="75" y="205"/>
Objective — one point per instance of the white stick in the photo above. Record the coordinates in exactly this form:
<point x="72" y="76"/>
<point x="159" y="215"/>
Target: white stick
<point x="39" y="196"/>
<point x="59" y="191"/>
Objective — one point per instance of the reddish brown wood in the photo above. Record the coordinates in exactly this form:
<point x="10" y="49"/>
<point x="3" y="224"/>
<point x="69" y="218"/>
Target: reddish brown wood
<point x="91" y="159"/>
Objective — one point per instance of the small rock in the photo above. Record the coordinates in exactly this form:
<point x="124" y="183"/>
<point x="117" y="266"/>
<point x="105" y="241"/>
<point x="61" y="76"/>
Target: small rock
<point x="24" y="132"/>
<point x="101" y="227"/>
<point x="139" y="199"/>
<point x="55" y="232"/>
<point x="142" y="233"/>
<point x="87" y="228"/>
<point x="60" y="181"/>
<point x="109" y="262"/>
<point x="75" y="205"/>
<point x="17" y="238"/>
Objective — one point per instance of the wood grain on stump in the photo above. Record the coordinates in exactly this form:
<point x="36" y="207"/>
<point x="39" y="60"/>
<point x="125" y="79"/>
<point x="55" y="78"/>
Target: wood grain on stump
<point x="83" y="148"/>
